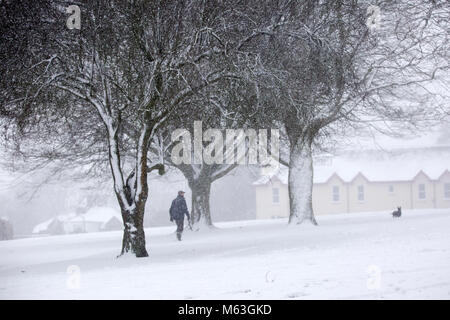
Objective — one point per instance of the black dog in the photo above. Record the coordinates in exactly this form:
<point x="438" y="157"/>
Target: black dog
<point x="397" y="213"/>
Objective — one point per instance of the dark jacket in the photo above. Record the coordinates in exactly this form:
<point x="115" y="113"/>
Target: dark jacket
<point x="179" y="208"/>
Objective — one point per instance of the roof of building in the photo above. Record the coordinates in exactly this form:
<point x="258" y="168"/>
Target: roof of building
<point x="44" y="225"/>
<point x="96" y="214"/>
<point x="377" y="166"/>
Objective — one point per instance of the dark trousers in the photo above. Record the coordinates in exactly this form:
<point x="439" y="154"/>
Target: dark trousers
<point x="180" y="226"/>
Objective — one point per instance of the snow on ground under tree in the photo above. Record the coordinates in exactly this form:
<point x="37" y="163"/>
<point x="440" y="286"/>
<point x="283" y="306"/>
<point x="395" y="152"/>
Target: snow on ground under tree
<point x="356" y="256"/>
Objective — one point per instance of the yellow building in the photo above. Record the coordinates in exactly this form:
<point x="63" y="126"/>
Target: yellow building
<point x="365" y="181"/>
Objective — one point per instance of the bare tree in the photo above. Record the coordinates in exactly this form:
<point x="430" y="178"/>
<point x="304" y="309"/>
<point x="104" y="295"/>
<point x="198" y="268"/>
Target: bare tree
<point x="229" y="104"/>
<point x="333" y="72"/>
<point x="100" y="94"/>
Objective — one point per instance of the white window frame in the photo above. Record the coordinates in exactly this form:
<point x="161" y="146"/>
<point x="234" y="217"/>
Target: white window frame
<point x="360" y="191"/>
<point x="447" y="191"/>
<point x="424" y="191"/>
<point x="391" y="189"/>
<point x="334" y="193"/>
<point x="275" y="195"/>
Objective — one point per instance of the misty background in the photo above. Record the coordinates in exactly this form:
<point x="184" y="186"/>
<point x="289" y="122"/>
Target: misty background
<point x="29" y="199"/>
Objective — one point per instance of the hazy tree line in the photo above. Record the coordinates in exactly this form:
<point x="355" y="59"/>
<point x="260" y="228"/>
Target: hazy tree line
<point x="104" y="99"/>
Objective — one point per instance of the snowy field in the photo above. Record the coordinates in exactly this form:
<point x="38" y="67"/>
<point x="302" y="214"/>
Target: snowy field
<point x="350" y="256"/>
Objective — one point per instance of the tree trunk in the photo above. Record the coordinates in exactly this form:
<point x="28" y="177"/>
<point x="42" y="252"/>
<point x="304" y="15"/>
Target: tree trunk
<point x="132" y="211"/>
<point x="200" y="210"/>
<point x="135" y="193"/>
<point x="133" y="234"/>
<point x="301" y="183"/>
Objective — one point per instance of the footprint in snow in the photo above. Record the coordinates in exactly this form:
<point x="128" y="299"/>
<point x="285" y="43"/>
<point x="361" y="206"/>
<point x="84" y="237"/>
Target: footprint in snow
<point x="297" y="295"/>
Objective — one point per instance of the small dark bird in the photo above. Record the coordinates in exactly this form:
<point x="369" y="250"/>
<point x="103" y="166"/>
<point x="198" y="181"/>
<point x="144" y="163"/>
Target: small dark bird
<point x="397" y="213"/>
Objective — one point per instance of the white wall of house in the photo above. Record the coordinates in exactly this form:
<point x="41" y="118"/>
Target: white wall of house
<point x="377" y="196"/>
<point x="330" y="197"/>
<point x="267" y="206"/>
<point x="423" y="192"/>
<point x="80" y="226"/>
<point x="358" y="195"/>
<point x="443" y="191"/>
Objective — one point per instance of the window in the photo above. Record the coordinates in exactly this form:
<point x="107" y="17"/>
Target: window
<point x="336" y="193"/>
<point x="447" y="191"/>
<point x="422" y="194"/>
<point x="360" y="193"/>
<point x="275" y="195"/>
<point x="391" y="188"/>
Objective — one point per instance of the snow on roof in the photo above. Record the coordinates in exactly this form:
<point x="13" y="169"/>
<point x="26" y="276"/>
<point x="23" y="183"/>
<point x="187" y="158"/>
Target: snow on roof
<point x="44" y="225"/>
<point x="377" y="166"/>
<point x="99" y="214"/>
<point x="95" y="214"/>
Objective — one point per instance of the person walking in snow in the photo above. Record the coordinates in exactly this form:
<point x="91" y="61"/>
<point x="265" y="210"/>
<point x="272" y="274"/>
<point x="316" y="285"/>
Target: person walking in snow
<point x="177" y="211"/>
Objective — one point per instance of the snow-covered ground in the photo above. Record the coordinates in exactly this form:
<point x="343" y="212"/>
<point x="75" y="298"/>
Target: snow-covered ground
<point x="349" y="256"/>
